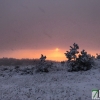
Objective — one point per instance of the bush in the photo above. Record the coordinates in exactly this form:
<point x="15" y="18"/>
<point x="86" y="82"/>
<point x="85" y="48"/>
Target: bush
<point x="83" y="62"/>
<point x="98" y="56"/>
<point x="43" y="66"/>
<point x="62" y="63"/>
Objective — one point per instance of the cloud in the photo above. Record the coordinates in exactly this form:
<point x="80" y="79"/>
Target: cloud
<point x="48" y="24"/>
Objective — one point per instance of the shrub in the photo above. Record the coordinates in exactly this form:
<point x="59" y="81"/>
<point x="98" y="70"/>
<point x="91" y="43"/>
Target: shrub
<point x="72" y="53"/>
<point x="98" y="56"/>
<point x="43" y="66"/>
<point x="62" y="63"/>
<point x="83" y="61"/>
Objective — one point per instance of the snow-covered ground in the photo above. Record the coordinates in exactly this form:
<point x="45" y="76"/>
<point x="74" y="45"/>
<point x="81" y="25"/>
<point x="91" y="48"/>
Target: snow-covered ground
<point x="55" y="85"/>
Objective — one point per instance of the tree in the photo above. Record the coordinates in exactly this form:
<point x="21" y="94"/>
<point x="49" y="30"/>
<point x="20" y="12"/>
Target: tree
<point x="42" y="66"/>
<point x="84" y="61"/>
<point x="72" y="53"/>
<point x="98" y="56"/>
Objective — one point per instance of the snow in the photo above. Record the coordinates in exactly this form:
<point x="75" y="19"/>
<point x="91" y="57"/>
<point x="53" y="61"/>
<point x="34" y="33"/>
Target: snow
<point x="55" y="85"/>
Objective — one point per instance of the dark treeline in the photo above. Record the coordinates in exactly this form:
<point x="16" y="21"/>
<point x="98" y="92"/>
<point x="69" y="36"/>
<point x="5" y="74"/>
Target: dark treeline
<point x="13" y="61"/>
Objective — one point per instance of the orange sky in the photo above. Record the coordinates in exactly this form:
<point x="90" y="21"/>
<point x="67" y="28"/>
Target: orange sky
<point x="53" y="54"/>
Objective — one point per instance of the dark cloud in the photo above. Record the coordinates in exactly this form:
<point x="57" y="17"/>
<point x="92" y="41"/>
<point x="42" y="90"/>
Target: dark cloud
<point x="45" y="24"/>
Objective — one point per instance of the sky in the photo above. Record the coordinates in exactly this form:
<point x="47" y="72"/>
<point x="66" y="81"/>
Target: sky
<point x="29" y="28"/>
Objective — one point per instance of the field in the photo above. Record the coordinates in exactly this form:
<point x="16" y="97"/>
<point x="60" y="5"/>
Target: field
<point x="58" y="84"/>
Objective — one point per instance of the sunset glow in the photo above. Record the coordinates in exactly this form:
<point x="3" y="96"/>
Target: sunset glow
<point x="53" y="54"/>
<point x="57" y="55"/>
<point x="56" y="49"/>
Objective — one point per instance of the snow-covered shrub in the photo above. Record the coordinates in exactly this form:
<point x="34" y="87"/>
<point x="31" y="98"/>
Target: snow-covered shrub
<point x="72" y="53"/>
<point x="43" y="66"/>
<point x="62" y="63"/>
<point x="4" y="69"/>
<point x="98" y="56"/>
<point x="17" y="68"/>
<point x="83" y="61"/>
<point x="26" y="71"/>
